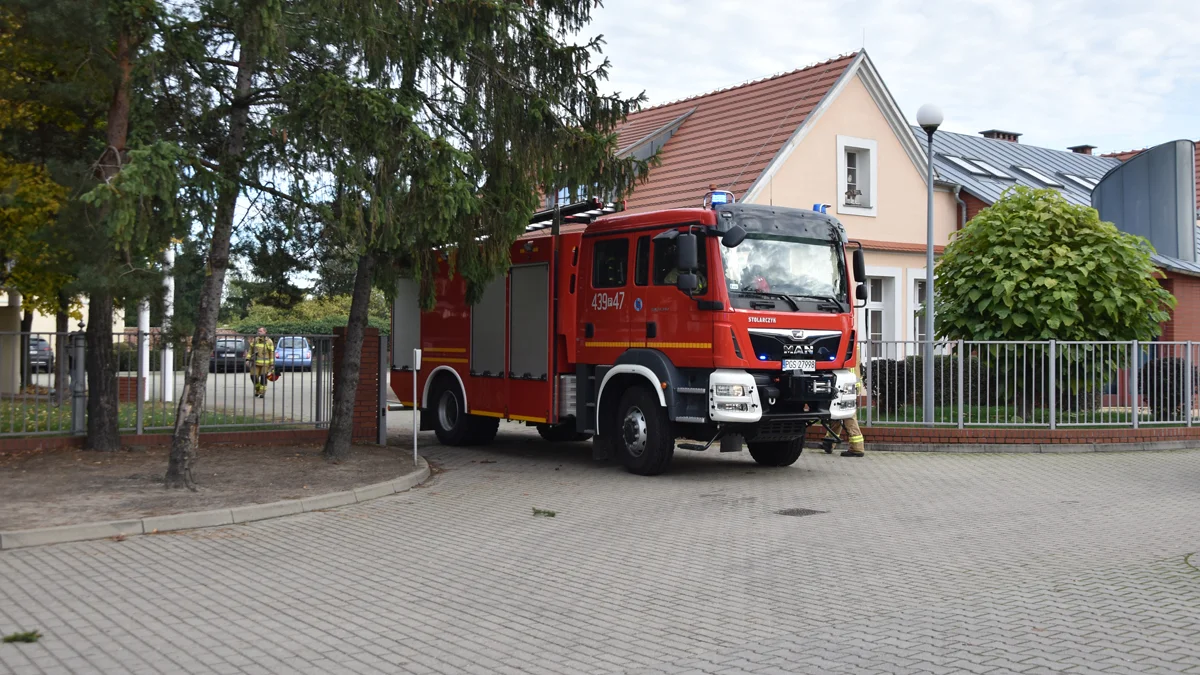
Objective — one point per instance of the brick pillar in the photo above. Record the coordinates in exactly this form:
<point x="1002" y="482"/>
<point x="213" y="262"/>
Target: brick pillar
<point x="366" y="400"/>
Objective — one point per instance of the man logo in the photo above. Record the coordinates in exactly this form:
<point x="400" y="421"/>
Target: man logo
<point x="798" y="335"/>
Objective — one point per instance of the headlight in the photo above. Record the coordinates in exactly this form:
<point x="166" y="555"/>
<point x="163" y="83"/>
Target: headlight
<point x="729" y="390"/>
<point x="733" y="407"/>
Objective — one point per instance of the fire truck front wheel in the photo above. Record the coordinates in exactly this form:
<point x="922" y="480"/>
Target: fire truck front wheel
<point x="642" y="433"/>
<point x="451" y="422"/>
<point x="777" y="453"/>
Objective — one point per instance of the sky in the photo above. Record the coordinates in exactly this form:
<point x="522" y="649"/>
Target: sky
<point x="1118" y="75"/>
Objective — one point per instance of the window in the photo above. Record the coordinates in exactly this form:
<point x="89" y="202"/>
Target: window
<point x="967" y="166"/>
<point x="610" y="263"/>
<point x="641" y="262"/>
<point x="666" y="269"/>
<point x="1082" y="181"/>
<point x="978" y="167"/>
<point x="873" y="316"/>
<point x="991" y="169"/>
<point x="852" y="191"/>
<point x="1040" y="176"/>
<point x="857" y="174"/>
<point x="918" y="305"/>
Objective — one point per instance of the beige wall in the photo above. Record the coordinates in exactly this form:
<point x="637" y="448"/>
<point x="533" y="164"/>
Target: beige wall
<point x="809" y="175"/>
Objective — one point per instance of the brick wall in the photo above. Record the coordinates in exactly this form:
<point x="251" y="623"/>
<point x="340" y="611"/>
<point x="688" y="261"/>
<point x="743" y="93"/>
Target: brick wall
<point x="1185" y="319"/>
<point x="127" y="389"/>
<point x="366" y="400"/>
<point x="940" y="436"/>
<point x="974" y="205"/>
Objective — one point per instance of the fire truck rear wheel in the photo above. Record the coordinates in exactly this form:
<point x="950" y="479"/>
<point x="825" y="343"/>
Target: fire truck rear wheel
<point x="642" y="433"/>
<point x="452" y="424"/>
<point x="777" y="453"/>
<point x="561" y="433"/>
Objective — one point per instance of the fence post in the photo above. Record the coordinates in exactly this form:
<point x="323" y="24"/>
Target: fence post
<point x="384" y="370"/>
<point x="1136" y="354"/>
<point x="141" y="380"/>
<point x="78" y="392"/>
<point x="1052" y="376"/>
<point x="869" y="368"/>
<point x="319" y="397"/>
<point x="961" y="409"/>
<point x="1187" y="382"/>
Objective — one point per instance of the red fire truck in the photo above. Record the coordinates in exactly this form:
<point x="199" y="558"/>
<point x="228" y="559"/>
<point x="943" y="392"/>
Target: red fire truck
<point x="682" y="328"/>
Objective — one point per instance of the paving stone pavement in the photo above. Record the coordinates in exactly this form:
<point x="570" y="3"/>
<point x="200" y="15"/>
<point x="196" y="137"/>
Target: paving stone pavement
<point x="919" y="563"/>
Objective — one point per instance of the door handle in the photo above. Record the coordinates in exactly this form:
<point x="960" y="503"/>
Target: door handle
<point x="651" y="329"/>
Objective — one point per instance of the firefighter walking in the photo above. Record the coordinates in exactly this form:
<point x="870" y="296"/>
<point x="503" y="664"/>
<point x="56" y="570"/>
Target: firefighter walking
<point x="260" y="360"/>
<point x="850" y="426"/>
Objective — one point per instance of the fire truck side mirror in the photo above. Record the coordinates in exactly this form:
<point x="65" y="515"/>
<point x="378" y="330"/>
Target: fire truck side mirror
<point x="860" y="293"/>
<point x="860" y="266"/>
<point x="688" y="252"/>
<point x="687" y="282"/>
<point x="733" y="236"/>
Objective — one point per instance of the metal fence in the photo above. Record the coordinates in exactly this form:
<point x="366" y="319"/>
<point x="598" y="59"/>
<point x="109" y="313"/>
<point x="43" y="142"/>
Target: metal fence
<point x="44" y="384"/>
<point x="1045" y="384"/>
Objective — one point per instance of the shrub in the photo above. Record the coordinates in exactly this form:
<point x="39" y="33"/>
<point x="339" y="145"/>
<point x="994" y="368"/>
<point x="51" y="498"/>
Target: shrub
<point x="1162" y="383"/>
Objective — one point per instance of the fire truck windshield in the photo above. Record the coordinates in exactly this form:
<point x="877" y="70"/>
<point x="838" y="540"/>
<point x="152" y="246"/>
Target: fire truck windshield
<point x="802" y="269"/>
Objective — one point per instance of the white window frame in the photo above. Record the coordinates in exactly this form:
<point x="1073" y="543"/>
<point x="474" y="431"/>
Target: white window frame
<point x="868" y="151"/>
<point x="915" y="275"/>
<point x="893" y="329"/>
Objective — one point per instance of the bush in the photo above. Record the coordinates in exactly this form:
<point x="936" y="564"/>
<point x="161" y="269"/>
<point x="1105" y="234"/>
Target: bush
<point x="897" y="383"/>
<point x="312" y="317"/>
<point x="1162" y="383"/>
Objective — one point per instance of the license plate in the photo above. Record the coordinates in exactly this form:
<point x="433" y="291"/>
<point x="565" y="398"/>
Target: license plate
<point x="802" y="365"/>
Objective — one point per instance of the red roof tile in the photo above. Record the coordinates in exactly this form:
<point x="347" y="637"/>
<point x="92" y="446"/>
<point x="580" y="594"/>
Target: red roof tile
<point x="729" y="139"/>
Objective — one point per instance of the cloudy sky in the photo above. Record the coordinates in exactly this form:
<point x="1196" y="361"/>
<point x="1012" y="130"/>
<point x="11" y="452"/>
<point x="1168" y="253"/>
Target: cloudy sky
<point x="1118" y="74"/>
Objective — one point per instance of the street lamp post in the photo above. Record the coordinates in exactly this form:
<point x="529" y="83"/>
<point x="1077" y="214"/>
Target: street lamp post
<point x="929" y="117"/>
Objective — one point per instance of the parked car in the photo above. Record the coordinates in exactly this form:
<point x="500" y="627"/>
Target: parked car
<point x="41" y="356"/>
<point x="292" y="353"/>
<point x="229" y="353"/>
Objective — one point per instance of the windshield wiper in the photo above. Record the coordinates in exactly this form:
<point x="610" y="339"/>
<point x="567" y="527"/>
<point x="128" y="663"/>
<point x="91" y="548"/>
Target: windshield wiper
<point x="779" y="296"/>
<point x="823" y="298"/>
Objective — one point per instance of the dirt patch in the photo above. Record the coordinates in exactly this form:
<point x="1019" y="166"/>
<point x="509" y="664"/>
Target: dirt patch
<point x="43" y="488"/>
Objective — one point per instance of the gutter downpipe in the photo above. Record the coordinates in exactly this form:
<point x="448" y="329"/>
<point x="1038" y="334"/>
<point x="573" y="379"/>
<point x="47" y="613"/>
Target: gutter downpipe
<point x="962" y="207"/>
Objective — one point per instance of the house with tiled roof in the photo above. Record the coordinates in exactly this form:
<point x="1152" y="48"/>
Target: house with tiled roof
<point x="1156" y="202"/>
<point x="830" y="134"/>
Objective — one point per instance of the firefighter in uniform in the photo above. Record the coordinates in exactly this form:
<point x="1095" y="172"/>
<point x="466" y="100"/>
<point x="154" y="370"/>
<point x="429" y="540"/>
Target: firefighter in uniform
<point x="850" y="426"/>
<point x="260" y="360"/>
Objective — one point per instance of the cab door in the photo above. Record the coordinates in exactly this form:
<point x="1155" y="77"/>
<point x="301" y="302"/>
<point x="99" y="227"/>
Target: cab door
<point x="605" y="304"/>
<point x="669" y="320"/>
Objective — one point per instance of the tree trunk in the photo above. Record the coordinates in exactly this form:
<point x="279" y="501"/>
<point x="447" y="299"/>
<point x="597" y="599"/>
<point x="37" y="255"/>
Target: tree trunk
<point x="191" y="399"/>
<point x="61" y="360"/>
<point x="102" y="406"/>
<point x="341" y="424"/>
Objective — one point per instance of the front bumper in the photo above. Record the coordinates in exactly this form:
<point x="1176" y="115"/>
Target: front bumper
<point x="739" y="396"/>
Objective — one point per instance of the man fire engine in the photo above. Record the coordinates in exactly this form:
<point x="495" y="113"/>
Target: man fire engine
<point x="601" y="328"/>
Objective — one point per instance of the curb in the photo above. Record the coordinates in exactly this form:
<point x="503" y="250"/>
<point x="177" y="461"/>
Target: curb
<point x="215" y="518"/>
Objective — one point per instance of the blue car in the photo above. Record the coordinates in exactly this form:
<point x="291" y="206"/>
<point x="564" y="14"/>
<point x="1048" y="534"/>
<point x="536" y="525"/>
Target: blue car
<point x="293" y="353"/>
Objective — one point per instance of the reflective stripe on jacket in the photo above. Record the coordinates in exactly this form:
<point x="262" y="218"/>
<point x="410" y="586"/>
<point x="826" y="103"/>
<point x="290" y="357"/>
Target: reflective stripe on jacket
<point x="262" y="352"/>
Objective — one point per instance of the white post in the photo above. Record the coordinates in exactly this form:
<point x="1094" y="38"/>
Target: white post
<point x="168" y="364"/>
<point x="144" y="348"/>
<point x="416" y="404"/>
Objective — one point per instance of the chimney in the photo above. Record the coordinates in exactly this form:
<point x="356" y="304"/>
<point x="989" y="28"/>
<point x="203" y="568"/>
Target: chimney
<point x="996" y="134"/>
<point x="1082" y="149"/>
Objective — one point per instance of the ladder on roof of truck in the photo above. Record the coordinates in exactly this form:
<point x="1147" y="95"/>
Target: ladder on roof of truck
<point x="580" y="212"/>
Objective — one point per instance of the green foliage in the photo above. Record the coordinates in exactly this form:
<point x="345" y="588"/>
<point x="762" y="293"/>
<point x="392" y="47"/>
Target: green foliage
<point x="316" y="316"/>
<point x="1035" y="267"/>
<point x="26" y="636"/>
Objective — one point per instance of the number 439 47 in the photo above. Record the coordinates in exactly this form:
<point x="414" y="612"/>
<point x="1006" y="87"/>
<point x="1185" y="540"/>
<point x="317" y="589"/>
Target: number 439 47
<point x="603" y="301"/>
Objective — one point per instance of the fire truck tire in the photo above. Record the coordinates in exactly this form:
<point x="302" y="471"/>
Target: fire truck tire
<point x="451" y="423"/>
<point x="561" y="433"/>
<point x="642" y="433"/>
<point x="483" y="429"/>
<point x="777" y="453"/>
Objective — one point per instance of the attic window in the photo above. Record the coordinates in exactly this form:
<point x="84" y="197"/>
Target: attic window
<point x="1084" y="182"/>
<point x="978" y="167"/>
<point x="857" y="169"/>
<point x="1040" y="176"/>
